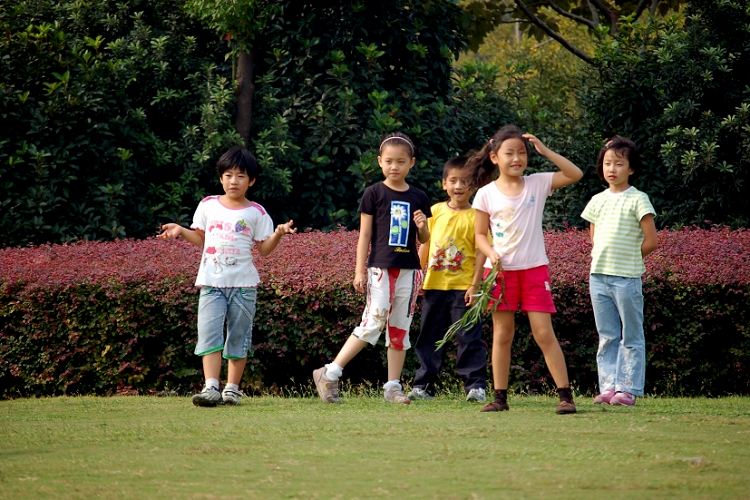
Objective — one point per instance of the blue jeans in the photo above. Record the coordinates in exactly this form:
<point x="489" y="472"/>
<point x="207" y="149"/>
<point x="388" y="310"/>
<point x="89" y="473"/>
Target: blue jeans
<point x="234" y="307"/>
<point x="618" y="312"/>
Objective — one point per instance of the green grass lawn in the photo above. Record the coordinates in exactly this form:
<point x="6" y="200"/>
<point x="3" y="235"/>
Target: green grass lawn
<point x="136" y="447"/>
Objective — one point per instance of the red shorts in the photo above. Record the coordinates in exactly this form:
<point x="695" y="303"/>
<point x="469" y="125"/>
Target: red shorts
<point x="527" y="290"/>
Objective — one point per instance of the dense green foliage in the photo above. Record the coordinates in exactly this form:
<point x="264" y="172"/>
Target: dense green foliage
<point x="108" y="113"/>
<point x="680" y="88"/>
<point x="113" y="112"/>
<point x="97" y="318"/>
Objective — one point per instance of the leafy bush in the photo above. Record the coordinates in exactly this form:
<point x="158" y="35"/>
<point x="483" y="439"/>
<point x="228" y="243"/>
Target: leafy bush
<point x="113" y="109"/>
<point x="679" y="88"/>
<point x="120" y="316"/>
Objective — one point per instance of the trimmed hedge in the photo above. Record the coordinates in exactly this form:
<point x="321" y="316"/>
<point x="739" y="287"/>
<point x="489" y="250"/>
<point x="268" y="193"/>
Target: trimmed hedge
<point x="101" y="318"/>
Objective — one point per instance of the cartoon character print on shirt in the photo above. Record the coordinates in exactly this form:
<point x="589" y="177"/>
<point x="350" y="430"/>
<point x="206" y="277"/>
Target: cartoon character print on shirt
<point x="447" y="256"/>
<point x="504" y="235"/>
<point x="400" y="216"/>
<point x="226" y="253"/>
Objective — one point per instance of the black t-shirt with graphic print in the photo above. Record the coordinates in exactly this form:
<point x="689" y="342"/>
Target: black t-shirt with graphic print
<point x="393" y="243"/>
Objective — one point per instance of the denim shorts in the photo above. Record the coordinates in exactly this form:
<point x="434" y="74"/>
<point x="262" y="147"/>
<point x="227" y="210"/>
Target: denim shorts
<point x="233" y="307"/>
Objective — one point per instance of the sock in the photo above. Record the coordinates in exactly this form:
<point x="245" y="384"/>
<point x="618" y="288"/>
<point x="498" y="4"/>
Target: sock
<point x="333" y="371"/>
<point x="565" y="393"/>
<point x="392" y="384"/>
<point x="212" y="382"/>
<point x="501" y="395"/>
<point x="232" y="387"/>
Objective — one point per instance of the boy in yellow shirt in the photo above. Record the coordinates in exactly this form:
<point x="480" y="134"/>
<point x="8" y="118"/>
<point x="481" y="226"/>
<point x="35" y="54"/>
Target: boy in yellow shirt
<point x="454" y="272"/>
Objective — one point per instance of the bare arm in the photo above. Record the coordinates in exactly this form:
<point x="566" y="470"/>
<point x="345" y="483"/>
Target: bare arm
<point x="476" y="281"/>
<point x="650" y="239"/>
<point x="269" y="244"/>
<point x="423" y="231"/>
<point x="363" y="245"/>
<point x="172" y="231"/>
<point x="568" y="174"/>
<point x="481" y="228"/>
<point x="591" y="233"/>
<point x="424" y="254"/>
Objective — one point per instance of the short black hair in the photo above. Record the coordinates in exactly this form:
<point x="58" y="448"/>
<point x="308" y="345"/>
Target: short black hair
<point x="240" y="158"/>
<point x="623" y="147"/>
<point x="457" y="162"/>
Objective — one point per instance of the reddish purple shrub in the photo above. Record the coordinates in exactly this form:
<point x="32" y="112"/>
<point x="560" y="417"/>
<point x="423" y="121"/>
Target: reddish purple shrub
<point x="120" y="316"/>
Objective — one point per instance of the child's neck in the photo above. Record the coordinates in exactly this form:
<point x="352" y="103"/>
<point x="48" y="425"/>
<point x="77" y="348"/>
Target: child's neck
<point x="234" y="202"/>
<point x="396" y="185"/>
<point x="458" y="206"/>
<point x="619" y="188"/>
<point x="509" y="184"/>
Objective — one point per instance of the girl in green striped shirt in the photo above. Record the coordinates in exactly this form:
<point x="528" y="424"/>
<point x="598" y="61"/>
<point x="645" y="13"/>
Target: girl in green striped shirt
<point x="623" y="233"/>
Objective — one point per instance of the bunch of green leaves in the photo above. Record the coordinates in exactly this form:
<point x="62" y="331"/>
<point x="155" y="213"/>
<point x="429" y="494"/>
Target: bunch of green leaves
<point x="482" y="304"/>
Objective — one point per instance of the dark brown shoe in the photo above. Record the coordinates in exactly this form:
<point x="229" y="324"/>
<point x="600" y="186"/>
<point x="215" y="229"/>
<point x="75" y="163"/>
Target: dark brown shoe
<point x="565" y="408"/>
<point x="496" y="406"/>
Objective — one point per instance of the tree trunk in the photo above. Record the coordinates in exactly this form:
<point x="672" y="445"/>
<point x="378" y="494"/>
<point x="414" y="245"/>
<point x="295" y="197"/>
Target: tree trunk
<point x="245" y="91"/>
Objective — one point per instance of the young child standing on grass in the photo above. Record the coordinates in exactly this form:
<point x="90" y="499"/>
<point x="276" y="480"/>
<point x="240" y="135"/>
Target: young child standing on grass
<point x="227" y="227"/>
<point x="623" y="233"/>
<point x="454" y="272"/>
<point x="393" y="215"/>
<point x="510" y="208"/>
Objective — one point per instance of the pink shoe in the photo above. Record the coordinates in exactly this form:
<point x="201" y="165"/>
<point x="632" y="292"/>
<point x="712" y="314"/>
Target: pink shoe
<point x="623" y="399"/>
<point x="605" y="397"/>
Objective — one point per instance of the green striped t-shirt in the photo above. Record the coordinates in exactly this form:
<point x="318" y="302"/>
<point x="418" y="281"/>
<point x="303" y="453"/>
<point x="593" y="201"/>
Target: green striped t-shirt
<point x="617" y="231"/>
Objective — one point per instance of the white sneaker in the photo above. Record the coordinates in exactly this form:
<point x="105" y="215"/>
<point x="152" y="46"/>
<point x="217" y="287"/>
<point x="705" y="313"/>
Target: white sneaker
<point x="209" y="396"/>
<point x="476" y="394"/>
<point x="419" y="393"/>
<point x="231" y="397"/>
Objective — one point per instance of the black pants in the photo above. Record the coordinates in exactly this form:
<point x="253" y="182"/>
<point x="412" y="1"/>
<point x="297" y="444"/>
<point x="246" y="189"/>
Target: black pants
<point x="440" y="309"/>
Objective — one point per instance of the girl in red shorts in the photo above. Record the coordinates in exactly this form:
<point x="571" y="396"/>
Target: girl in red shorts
<point x="511" y="208"/>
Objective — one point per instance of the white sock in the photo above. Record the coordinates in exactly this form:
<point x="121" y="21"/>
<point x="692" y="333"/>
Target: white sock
<point x="333" y="371"/>
<point x="212" y="382"/>
<point x="392" y="384"/>
<point x="232" y="387"/>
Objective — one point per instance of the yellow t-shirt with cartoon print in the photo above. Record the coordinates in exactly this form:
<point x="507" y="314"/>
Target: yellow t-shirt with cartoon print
<point x="450" y="263"/>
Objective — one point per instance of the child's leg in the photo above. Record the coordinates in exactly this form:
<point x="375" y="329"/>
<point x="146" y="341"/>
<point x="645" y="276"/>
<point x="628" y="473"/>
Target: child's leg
<point x="235" y="369"/>
<point x="503" y="330"/>
<point x="404" y="285"/>
<point x="435" y="320"/>
<point x="396" y="360"/>
<point x="609" y="327"/>
<point x="544" y="335"/>
<point x="212" y="308"/>
<point x="471" y="355"/>
<point x="631" y="361"/>
<point x="350" y="349"/>
<point x="212" y="366"/>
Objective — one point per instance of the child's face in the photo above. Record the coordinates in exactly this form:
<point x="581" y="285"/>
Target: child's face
<point x="511" y="157"/>
<point x="235" y="183"/>
<point x="458" y="185"/>
<point x="395" y="161"/>
<point x="616" y="170"/>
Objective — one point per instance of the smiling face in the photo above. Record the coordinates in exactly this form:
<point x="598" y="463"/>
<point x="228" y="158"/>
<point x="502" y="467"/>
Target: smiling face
<point x="235" y="183"/>
<point x="616" y="170"/>
<point x="458" y="184"/>
<point x="395" y="161"/>
<point x="511" y="157"/>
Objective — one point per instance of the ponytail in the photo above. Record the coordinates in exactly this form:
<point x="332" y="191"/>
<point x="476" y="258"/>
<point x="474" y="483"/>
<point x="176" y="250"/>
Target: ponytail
<point x="484" y="171"/>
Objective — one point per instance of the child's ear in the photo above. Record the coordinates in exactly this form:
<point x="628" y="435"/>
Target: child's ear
<point x="252" y="181"/>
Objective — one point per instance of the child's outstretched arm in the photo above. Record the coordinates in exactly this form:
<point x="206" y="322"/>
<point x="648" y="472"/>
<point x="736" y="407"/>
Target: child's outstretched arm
<point x="569" y="173"/>
<point x="363" y="245"/>
<point x="172" y="231"/>
<point x="423" y="231"/>
<point x="269" y="244"/>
